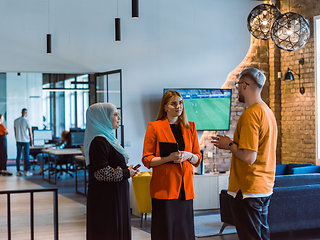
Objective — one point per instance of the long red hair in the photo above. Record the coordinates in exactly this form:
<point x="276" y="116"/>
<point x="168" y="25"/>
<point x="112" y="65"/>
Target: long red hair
<point x="165" y="99"/>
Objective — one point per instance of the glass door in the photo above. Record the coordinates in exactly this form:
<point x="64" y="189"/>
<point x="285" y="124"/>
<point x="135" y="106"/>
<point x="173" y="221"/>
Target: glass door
<point x="109" y="89"/>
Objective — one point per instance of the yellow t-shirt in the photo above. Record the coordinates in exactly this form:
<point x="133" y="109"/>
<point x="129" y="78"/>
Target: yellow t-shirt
<point x="257" y="131"/>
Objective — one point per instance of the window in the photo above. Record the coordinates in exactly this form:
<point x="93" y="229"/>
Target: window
<point x="65" y="108"/>
<point x="109" y="89"/>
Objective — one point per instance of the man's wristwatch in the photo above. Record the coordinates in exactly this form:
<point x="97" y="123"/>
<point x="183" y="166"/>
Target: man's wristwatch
<point x="230" y="144"/>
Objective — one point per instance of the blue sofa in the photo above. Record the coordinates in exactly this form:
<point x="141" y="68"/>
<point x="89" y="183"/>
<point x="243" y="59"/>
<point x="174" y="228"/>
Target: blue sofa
<point x="295" y="203"/>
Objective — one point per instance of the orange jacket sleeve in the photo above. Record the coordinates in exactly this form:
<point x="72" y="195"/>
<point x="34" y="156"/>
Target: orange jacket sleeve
<point x="149" y="146"/>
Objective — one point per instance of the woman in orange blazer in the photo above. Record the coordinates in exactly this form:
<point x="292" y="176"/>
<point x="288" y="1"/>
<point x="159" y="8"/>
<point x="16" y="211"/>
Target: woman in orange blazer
<point x="171" y="186"/>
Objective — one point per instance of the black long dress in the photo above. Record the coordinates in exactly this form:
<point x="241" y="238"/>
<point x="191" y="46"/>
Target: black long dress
<point x="108" y="215"/>
<point x="173" y="219"/>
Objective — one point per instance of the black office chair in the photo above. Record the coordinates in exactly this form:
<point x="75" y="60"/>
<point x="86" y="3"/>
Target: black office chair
<point x="34" y="161"/>
<point x="64" y="165"/>
<point x="34" y="152"/>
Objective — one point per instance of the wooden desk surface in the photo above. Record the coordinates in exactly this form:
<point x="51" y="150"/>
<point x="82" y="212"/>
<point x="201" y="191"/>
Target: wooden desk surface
<point x="42" y="147"/>
<point x="65" y="151"/>
<point x="80" y="158"/>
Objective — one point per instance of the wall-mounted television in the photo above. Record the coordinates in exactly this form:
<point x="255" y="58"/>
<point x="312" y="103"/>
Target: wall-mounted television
<point x="208" y="108"/>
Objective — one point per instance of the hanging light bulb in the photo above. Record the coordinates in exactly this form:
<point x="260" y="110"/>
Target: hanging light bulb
<point x="265" y="19"/>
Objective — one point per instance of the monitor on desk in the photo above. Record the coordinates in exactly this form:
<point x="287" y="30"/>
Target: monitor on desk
<point x="38" y="142"/>
<point x="77" y="138"/>
<point x="40" y="136"/>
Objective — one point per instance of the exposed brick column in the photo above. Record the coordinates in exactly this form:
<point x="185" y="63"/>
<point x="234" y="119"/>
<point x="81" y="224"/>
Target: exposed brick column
<point x="257" y="57"/>
<point x="298" y="111"/>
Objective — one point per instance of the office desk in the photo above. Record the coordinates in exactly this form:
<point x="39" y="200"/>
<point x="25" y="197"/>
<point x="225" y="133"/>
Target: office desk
<point x="82" y="161"/>
<point x="55" y="153"/>
<point x="35" y="150"/>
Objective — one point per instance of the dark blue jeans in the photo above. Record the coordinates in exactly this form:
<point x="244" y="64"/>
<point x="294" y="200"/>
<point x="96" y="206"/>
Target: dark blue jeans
<point x="250" y="217"/>
<point x="26" y="152"/>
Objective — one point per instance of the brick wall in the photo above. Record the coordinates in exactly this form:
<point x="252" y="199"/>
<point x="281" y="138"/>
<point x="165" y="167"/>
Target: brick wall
<point x="257" y="56"/>
<point x="298" y="135"/>
<point x="295" y="113"/>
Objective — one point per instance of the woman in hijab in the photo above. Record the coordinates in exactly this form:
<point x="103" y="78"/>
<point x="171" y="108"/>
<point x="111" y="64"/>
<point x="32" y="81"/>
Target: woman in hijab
<point x="108" y="208"/>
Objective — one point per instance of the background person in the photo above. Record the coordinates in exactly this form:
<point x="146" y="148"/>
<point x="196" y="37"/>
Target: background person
<point x="63" y="143"/>
<point x="171" y="186"/>
<point x="108" y="206"/>
<point x="3" y="149"/>
<point x="64" y="140"/>
<point x="253" y="161"/>
<point x="23" y="135"/>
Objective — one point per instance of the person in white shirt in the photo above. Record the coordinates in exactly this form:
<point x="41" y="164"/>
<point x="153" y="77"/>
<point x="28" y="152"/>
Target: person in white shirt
<point x="23" y="135"/>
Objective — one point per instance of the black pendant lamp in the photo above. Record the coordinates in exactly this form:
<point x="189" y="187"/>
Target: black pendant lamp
<point x="49" y="43"/>
<point x="260" y="20"/>
<point x="290" y="31"/>
<point x="49" y="50"/>
<point x="135" y="8"/>
<point x="117" y="30"/>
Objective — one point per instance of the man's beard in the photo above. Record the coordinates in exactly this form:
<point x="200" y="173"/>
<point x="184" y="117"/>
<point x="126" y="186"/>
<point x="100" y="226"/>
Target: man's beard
<point x="241" y="98"/>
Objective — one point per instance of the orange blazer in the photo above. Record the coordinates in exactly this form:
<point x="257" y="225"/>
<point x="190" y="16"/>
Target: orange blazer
<point x="167" y="178"/>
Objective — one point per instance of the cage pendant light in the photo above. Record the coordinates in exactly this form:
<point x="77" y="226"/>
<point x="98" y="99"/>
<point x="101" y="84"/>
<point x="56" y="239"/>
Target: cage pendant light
<point x="260" y="20"/>
<point x="290" y="31"/>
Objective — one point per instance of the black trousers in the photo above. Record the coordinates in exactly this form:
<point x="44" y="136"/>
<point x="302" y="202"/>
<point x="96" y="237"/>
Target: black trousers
<point x="250" y="217"/>
<point x="3" y="152"/>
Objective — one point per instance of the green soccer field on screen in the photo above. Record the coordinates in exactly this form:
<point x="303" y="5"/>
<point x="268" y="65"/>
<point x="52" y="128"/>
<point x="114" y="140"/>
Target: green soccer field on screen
<point x="209" y="109"/>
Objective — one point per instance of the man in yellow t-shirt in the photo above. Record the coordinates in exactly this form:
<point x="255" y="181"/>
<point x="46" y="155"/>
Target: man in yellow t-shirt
<point x="253" y="161"/>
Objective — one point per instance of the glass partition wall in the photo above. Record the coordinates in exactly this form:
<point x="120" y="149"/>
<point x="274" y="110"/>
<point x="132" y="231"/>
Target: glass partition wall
<point x="65" y="101"/>
<point x="108" y="88"/>
<point x="56" y="101"/>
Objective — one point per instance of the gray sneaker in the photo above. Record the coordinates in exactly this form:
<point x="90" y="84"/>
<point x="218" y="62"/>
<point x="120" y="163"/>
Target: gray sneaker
<point x="27" y="173"/>
<point x="19" y="173"/>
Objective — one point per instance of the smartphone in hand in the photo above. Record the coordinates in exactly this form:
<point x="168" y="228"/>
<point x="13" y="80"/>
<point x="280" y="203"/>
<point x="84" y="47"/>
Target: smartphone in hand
<point x="136" y="166"/>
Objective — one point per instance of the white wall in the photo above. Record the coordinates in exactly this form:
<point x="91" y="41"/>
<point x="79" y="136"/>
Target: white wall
<point x="174" y="43"/>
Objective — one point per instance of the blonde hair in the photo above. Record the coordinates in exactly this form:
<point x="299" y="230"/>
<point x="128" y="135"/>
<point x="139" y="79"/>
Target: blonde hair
<point x="165" y="99"/>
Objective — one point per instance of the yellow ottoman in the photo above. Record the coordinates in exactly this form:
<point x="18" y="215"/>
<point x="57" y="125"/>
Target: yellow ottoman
<point x="141" y="188"/>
